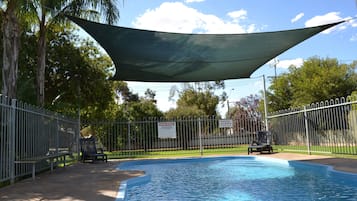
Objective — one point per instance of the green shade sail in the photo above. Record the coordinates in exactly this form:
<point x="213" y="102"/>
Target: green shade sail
<point x="151" y="56"/>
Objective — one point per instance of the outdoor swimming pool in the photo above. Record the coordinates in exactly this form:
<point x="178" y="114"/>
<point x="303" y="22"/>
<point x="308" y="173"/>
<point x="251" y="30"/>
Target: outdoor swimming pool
<point x="236" y="178"/>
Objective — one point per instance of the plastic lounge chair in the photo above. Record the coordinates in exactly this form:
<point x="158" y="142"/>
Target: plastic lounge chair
<point x="90" y="152"/>
<point x="262" y="143"/>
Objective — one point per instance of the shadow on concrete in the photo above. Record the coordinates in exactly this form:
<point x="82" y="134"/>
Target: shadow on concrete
<point x="81" y="181"/>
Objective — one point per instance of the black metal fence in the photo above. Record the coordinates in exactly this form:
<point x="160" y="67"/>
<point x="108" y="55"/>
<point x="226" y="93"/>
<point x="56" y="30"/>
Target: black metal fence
<point x="28" y="132"/>
<point x="325" y="127"/>
<point x="161" y="135"/>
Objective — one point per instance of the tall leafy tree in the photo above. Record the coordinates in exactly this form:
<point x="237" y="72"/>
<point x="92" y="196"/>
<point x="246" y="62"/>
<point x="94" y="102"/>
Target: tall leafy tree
<point x="9" y="12"/>
<point x="77" y="76"/>
<point x="196" y="99"/>
<point x="246" y="114"/>
<point x="316" y="80"/>
<point x="49" y="12"/>
<point x="135" y="107"/>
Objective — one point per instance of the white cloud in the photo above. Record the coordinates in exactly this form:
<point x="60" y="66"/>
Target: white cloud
<point x="297" y="17"/>
<point x="257" y="84"/>
<point x="193" y="1"/>
<point x="330" y="18"/>
<point x="169" y="17"/>
<point x="238" y="15"/>
<point x="353" y="22"/>
<point x="354" y="38"/>
<point x="287" y="63"/>
<point x="324" y="19"/>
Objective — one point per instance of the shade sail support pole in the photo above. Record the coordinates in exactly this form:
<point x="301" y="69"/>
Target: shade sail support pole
<point x="265" y="105"/>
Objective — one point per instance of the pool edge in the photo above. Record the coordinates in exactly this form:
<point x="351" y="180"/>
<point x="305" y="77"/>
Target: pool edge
<point x="144" y="178"/>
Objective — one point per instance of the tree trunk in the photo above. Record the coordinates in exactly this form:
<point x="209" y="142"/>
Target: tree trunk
<point x="41" y="64"/>
<point x="11" y="46"/>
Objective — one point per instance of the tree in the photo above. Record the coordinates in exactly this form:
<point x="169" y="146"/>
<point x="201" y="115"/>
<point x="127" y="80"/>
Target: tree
<point x="150" y="95"/>
<point x="280" y="96"/>
<point x="124" y="94"/>
<point x="135" y="107"/>
<point x="188" y="111"/>
<point x="77" y="76"/>
<point x="197" y="99"/>
<point x="11" y="45"/>
<point x="317" y="80"/>
<point x="49" y="12"/>
<point x="246" y="114"/>
<point x="143" y="109"/>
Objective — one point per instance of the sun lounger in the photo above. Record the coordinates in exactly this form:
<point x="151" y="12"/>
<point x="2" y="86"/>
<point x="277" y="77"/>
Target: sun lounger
<point x="89" y="150"/>
<point x="262" y="143"/>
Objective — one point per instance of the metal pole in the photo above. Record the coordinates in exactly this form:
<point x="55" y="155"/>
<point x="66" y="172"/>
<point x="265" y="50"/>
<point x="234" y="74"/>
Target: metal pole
<point x="307" y="131"/>
<point x="79" y="133"/>
<point x="58" y="130"/>
<point x="265" y="105"/>
<point x="200" y="135"/>
<point x="129" y="146"/>
<point x="12" y="140"/>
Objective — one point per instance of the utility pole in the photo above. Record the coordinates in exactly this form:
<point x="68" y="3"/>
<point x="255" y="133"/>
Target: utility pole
<point x="232" y="89"/>
<point x="276" y="61"/>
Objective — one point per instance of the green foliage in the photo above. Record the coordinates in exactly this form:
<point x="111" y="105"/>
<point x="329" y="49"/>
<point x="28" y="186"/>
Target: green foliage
<point x="189" y="111"/>
<point x="76" y="76"/>
<point x="123" y="93"/>
<point x="197" y="99"/>
<point x="135" y="107"/>
<point x="25" y="88"/>
<point x="143" y="109"/>
<point x="205" y="101"/>
<point x="317" y="80"/>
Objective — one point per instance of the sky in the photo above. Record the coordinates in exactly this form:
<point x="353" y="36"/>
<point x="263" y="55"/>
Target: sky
<point x="247" y="16"/>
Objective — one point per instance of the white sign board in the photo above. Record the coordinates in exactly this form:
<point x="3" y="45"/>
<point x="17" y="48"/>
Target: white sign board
<point x="167" y="129"/>
<point x="225" y="123"/>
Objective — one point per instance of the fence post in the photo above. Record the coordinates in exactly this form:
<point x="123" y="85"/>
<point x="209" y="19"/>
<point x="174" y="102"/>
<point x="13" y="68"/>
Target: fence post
<point x="78" y="135"/>
<point x="57" y="133"/>
<point x="12" y="140"/>
<point x="307" y="131"/>
<point x="129" y="144"/>
<point x="200" y="135"/>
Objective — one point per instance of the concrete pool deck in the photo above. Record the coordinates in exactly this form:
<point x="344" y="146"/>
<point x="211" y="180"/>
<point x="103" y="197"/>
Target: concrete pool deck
<point x="100" y="181"/>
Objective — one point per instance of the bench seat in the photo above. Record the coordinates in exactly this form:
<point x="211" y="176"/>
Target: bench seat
<point x="34" y="160"/>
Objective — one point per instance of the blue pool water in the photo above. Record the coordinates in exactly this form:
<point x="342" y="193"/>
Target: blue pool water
<point x="238" y="179"/>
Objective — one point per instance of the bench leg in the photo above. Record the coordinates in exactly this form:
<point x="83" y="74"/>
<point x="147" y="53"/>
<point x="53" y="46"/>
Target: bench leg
<point x="51" y="161"/>
<point x="33" y="171"/>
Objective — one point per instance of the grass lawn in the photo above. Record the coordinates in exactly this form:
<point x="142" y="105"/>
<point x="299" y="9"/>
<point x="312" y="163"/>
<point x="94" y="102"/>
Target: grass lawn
<point x="315" y="150"/>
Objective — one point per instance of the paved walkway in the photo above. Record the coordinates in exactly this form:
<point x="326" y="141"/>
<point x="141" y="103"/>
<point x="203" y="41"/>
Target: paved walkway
<point x="100" y="181"/>
<point x="341" y="164"/>
<point x="81" y="181"/>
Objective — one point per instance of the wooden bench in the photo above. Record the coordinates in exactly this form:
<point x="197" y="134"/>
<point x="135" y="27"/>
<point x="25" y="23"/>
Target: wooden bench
<point x="34" y="160"/>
